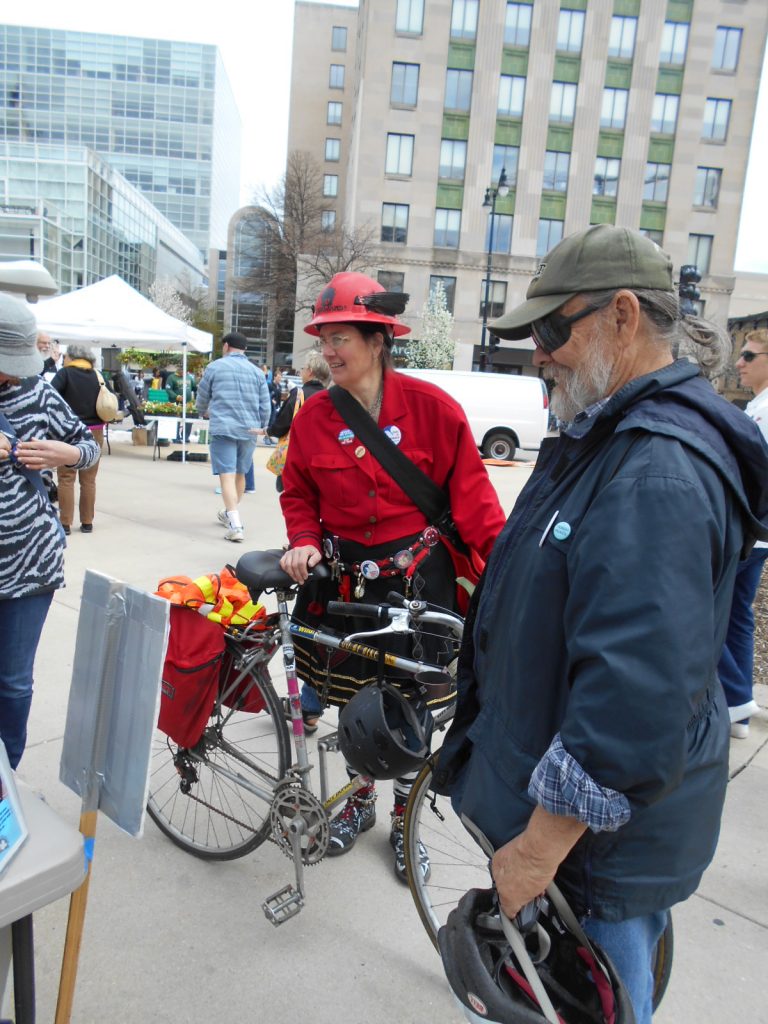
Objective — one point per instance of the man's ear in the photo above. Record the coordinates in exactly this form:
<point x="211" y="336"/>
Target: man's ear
<point x="626" y="314"/>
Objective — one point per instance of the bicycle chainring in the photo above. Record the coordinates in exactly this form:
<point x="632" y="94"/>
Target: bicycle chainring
<point x="292" y="801"/>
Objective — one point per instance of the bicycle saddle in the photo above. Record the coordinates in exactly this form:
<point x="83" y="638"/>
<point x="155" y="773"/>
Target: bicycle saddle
<point x="260" y="571"/>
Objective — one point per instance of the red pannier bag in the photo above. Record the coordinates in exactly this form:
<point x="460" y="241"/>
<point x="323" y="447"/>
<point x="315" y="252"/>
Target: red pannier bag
<point x="190" y="675"/>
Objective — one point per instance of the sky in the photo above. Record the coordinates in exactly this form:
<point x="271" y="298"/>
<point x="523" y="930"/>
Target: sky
<point x="255" y="42"/>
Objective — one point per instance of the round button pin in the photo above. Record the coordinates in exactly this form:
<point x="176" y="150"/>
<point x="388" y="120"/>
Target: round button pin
<point x="328" y="547"/>
<point x="431" y="536"/>
<point x="359" y="451"/>
<point x="562" y="531"/>
<point x="403" y="558"/>
<point x="370" y="570"/>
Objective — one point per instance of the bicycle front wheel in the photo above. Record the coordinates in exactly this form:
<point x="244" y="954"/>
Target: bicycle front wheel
<point x="203" y="799"/>
<point x="456" y="862"/>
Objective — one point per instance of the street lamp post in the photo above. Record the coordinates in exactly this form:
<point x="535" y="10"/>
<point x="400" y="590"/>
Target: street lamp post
<point x="491" y="195"/>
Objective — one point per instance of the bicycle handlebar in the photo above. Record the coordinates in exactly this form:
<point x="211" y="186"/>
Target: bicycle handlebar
<point x="376" y="612"/>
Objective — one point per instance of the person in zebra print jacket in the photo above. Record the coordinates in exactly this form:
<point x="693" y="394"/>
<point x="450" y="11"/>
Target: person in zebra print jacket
<point x="38" y="430"/>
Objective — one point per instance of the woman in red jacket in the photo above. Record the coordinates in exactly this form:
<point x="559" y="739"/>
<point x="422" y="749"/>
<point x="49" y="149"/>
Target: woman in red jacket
<point x="340" y="501"/>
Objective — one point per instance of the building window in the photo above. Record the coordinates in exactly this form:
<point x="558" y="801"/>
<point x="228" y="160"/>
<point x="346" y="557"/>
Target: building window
<point x="333" y="149"/>
<point x="517" y="27"/>
<point x="556" y="171"/>
<point x="336" y="76"/>
<point x="505" y="158"/>
<point x="392" y="280"/>
<point x="447" y="228"/>
<point x="399" y="154"/>
<point x="707" y="187"/>
<point x="653" y="234"/>
<point x="405" y="84"/>
<point x="549" y="234"/>
<point x="453" y="159"/>
<point x="562" y="103"/>
<point x="511" y="96"/>
<point x="674" y="40"/>
<point x="700" y="252"/>
<point x="664" y="116"/>
<point x="334" y="113"/>
<point x="394" y="222"/>
<point x="497" y="299"/>
<point x="621" y="42"/>
<point x="570" y="31"/>
<point x="502" y="233"/>
<point x="656" y="182"/>
<point x="328" y="220"/>
<point x="449" y="287"/>
<point x="458" y="89"/>
<point x="330" y="184"/>
<point x="717" y="114"/>
<point x="410" y="17"/>
<point x="606" y="179"/>
<point x="727" y="46"/>
<point x="339" y="38"/>
<point x="614" y="111"/>
<point x="464" y="19"/>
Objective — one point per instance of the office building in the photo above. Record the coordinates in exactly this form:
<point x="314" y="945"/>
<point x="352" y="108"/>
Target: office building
<point x="162" y="113"/>
<point x="599" y="111"/>
<point x="75" y="213"/>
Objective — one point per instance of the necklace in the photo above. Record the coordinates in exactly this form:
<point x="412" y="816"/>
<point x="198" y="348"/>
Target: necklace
<point x="375" y="409"/>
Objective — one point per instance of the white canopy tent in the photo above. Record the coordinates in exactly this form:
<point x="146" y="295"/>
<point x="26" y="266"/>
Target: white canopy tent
<point x="111" y="313"/>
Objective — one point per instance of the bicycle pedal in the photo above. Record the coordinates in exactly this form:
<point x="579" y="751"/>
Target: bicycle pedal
<point x="282" y="905"/>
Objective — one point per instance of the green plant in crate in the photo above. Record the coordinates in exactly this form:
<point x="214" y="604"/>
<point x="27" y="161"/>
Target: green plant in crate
<point x="168" y="409"/>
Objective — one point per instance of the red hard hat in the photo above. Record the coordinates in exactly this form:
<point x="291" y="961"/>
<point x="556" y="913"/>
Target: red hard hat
<point x="351" y="298"/>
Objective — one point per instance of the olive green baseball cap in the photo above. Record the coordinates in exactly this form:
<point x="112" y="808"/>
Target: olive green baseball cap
<point x="594" y="260"/>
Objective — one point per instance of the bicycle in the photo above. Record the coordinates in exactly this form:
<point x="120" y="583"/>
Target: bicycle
<point x="240" y="784"/>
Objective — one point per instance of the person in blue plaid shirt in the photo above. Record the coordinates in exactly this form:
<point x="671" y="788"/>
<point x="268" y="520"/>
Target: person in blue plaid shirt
<point x="590" y="742"/>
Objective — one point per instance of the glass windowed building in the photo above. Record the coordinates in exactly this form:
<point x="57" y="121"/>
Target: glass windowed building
<point x="162" y="113"/>
<point x="75" y="213"/>
<point x="629" y="112"/>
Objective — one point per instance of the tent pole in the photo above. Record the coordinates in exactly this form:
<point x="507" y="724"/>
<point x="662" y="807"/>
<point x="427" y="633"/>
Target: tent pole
<point x="184" y="402"/>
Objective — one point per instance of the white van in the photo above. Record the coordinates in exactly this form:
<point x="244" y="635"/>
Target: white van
<point x="505" y="411"/>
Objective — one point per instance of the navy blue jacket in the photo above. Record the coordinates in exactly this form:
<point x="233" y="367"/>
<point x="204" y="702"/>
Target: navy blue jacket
<point x="608" y="631"/>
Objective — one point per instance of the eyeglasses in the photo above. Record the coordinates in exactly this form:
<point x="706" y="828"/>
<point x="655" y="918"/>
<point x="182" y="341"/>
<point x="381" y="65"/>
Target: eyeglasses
<point x="748" y="355"/>
<point x="552" y="332"/>
<point x="334" y="340"/>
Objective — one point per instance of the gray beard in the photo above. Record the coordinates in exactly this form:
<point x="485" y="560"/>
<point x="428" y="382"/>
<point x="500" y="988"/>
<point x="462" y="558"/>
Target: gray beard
<point x="575" y="390"/>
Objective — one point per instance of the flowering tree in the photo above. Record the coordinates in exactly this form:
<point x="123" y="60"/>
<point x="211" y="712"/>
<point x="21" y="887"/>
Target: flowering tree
<point x="435" y="349"/>
<point x="167" y="298"/>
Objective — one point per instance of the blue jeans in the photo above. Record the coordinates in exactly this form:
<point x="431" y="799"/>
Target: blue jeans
<point x="736" y="659"/>
<point x="21" y="623"/>
<point x="310" y="701"/>
<point x="630" y="945"/>
<point x="250" y="483"/>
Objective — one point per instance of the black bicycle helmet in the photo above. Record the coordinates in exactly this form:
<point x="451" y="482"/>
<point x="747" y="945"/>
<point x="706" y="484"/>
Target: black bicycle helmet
<point x="381" y="734"/>
<point x="552" y="973"/>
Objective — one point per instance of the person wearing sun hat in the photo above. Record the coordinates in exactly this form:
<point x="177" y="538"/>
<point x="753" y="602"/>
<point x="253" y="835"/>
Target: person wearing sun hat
<point x="590" y="742"/>
<point x="38" y="431"/>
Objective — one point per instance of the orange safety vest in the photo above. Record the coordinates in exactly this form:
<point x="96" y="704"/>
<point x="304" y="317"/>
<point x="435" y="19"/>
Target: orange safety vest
<point x="221" y="597"/>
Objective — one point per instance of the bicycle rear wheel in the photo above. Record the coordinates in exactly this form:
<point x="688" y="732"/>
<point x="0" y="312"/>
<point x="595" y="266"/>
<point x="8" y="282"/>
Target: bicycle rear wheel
<point x="200" y="797"/>
<point x="458" y="864"/>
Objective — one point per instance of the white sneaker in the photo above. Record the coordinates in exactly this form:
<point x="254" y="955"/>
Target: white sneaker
<point x="235" y="535"/>
<point x="223" y="518"/>
<point x="739" y="730"/>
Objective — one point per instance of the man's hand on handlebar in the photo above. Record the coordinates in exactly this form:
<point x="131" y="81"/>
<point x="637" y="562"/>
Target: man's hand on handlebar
<point x="297" y="562"/>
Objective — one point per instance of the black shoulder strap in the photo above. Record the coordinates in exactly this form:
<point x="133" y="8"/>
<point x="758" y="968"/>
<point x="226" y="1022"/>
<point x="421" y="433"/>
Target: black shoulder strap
<point x="33" y="475"/>
<point x="426" y="495"/>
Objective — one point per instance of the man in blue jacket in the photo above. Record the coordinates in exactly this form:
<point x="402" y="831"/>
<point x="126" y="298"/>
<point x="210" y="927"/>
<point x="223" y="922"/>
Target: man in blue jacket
<point x="234" y="394"/>
<point x="591" y="736"/>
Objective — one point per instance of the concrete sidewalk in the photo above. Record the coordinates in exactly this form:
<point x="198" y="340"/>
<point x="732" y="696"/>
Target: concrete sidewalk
<point x="170" y="938"/>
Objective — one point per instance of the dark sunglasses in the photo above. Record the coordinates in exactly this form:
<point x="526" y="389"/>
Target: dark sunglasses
<point x="552" y="332"/>
<point x="748" y="355"/>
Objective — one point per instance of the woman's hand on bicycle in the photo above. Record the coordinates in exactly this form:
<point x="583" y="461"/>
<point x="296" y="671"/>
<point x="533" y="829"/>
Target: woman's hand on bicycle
<point x="298" y="562"/>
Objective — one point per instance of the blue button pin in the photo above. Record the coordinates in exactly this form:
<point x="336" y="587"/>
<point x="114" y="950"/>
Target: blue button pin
<point x="562" y="531"/>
